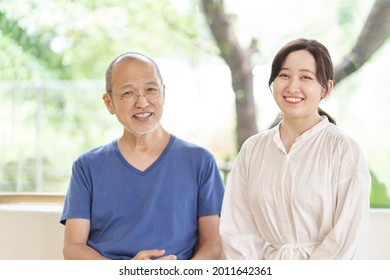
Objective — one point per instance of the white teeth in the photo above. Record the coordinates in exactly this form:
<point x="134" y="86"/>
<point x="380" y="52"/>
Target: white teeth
<point x="293" y="99"/>
<point x="142" y="116"/>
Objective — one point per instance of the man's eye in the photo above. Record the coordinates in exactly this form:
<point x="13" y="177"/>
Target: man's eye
<point x="128" y="93"/>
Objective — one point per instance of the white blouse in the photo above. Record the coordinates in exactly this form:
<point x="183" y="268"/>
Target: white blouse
<point x="310" y="203"/>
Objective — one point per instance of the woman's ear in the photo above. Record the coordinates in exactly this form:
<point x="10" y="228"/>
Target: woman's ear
<point x="326" y="92"/>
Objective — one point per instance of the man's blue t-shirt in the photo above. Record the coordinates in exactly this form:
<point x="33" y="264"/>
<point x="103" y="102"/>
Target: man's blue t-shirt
<point x="158" y="208"/>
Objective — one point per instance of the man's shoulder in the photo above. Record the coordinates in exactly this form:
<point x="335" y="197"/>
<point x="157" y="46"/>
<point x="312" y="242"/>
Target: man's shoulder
<point x="97" y="152"/>
<point x="188" y="146"/>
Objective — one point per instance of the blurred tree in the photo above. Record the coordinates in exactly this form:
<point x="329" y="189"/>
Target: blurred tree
<point x="37" y="45"/>
<point x="378" y="196"/>
<point x="238" y="59"/>
<point x="78" y="39"/>
<point x="373" y="35"/>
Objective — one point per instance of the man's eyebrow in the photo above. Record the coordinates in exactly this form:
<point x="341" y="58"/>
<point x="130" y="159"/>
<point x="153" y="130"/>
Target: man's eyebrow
<point x="128" y="85"/>
<point x="131" y="85"/>
<point x="153" y="83"/>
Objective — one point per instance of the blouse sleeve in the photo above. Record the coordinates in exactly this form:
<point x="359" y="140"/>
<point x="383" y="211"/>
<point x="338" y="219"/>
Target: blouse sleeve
<point x="347" y="239"/>
<point x="238" y="230"/>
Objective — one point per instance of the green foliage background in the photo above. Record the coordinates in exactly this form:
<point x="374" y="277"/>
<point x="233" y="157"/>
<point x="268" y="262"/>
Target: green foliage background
<point x="54" y="54"/>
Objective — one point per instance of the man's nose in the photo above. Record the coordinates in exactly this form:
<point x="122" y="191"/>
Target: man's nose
<point x="141" y="101"/>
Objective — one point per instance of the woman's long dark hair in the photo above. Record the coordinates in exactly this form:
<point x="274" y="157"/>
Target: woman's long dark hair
<point x="324" y="64"/>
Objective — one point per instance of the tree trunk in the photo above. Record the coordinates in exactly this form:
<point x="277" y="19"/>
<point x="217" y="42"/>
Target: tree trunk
<point x="239" y="61"/>
<point x="245" y="105"/>
<point x="375" y="32"/>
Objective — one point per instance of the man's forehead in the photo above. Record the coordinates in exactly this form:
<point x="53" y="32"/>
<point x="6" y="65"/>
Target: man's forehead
<point x="132" y="68"/>
<point x="132" y="59"/>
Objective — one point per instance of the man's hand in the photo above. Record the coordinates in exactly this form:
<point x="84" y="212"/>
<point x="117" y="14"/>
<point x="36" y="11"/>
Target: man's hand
<point x="153" y="254"/>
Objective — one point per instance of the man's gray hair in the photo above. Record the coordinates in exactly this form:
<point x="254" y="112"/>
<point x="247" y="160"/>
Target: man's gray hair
<point x="128" y="55"/>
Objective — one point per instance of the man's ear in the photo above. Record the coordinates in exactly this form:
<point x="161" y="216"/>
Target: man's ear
<point x="108" y="102"/>
<point x="163" y="92"/>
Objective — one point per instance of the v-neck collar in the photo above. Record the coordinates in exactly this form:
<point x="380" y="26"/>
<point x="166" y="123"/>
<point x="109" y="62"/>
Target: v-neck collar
<point x="152" y="166"/>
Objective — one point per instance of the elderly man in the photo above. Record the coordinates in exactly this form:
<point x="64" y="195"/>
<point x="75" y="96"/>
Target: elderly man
<point x="148" y="194"/>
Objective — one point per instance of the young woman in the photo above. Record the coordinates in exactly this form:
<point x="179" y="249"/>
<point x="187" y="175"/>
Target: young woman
<point x="301" y="189"/>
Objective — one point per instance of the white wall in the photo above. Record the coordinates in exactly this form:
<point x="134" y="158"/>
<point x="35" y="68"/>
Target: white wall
<point x="30" y="232"/>
<point x="378" y="242"/>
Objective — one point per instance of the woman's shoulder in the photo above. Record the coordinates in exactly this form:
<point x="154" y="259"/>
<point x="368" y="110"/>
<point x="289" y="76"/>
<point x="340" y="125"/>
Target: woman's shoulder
<point x="261" y="136"/>
<point x="342" y="138"/>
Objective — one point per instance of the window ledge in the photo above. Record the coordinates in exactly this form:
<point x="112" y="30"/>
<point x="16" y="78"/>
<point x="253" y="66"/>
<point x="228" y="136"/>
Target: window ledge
<point x="23" y="198"/>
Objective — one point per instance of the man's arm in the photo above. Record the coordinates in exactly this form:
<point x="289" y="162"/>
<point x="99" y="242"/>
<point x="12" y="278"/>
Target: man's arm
<point x="75" y="241"/>
<point x="210" y="246"/>
<point x="76" y="248"/>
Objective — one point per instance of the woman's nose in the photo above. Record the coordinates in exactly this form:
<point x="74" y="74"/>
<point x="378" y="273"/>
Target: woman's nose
<point x="294" y="85"/>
